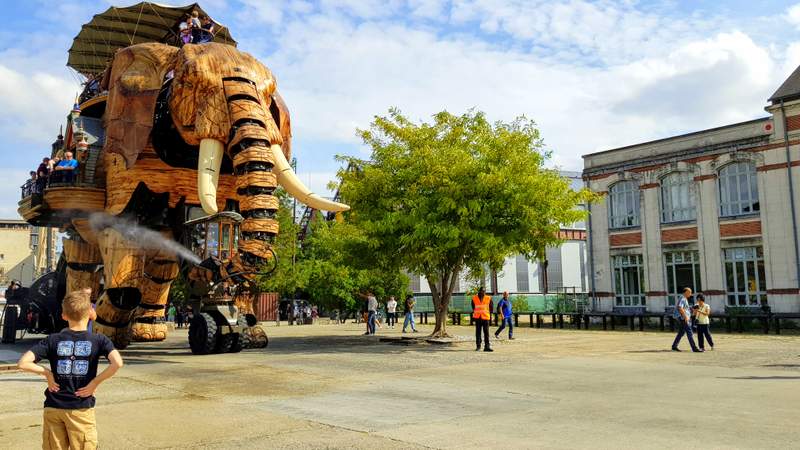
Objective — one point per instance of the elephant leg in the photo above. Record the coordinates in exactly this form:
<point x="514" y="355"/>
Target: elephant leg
<point x="148" y="324"/>
<point x="83" y="260"/>
<point x="123" y="266"/>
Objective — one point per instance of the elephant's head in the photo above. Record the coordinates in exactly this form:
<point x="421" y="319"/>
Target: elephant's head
<point x="221" y="104"/>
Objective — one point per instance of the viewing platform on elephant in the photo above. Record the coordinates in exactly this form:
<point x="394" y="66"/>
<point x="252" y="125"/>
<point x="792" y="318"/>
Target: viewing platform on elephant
<point x="72" y="180"/>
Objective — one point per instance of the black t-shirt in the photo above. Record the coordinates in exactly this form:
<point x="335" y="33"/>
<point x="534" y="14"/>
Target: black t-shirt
<point x="73" y="357"/>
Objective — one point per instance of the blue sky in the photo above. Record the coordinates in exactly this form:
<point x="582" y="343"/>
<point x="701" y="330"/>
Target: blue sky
<point x="594" y="75"/>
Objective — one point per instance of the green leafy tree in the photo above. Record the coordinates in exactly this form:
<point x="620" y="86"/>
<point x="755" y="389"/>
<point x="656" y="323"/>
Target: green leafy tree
<point x="337" y="267"/>
<point x="456" y="194"/>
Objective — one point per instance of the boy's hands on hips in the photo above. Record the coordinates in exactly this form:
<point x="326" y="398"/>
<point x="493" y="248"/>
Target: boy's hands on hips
<point x="88" y="390"/>
<point x="52" y="386"/>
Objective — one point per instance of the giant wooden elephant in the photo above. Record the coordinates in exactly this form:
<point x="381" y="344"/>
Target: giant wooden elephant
<point x="202" y="125"/>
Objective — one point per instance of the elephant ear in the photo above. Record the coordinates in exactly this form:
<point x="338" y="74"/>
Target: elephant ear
<point x="135" y="80"/>
<point x="280" y="113"/>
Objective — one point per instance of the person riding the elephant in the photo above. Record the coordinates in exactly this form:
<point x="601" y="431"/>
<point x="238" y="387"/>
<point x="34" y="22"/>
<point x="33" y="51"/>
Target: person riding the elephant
<point x="67" y="168"/>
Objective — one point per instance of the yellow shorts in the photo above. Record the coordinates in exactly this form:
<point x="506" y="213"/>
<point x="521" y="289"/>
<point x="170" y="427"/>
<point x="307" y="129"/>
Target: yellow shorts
<point x="69" y="429"/>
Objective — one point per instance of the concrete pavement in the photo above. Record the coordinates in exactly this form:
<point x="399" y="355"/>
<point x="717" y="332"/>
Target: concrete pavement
<point x="326" y="386"/>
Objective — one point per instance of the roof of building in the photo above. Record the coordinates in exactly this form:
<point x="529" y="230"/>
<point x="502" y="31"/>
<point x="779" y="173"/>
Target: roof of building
<point x="789" y="90"/>
<point x="680" y="136"/>
<point x="13" y="221"/>
<point x="736" y="136"/>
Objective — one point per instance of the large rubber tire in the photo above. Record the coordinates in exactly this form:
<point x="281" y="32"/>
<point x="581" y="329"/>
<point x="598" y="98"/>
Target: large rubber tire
<point x="203" y="334"/>
<point x="226" y="342"/>
<point x="236" y="346"/>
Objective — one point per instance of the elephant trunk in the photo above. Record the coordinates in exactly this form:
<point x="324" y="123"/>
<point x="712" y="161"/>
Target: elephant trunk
<point x="253" y="134"/>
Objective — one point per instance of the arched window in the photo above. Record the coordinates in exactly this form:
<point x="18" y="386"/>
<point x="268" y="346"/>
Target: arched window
<point x="738" y="191"/>
<point x="677" y="197"/>
<point x="623" y="205"/>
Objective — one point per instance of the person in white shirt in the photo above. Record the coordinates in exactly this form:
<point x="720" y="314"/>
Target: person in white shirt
<point x="703" y="322"/>
<point x="391" y="312"/>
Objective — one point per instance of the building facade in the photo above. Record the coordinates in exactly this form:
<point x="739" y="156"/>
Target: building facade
<point x="566" y="266"/>
<point x="715" y="210"/>
<point x="17" y="261"/>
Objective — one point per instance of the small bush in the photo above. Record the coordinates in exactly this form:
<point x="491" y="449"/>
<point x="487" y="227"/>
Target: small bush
<point x="519" y="303"/>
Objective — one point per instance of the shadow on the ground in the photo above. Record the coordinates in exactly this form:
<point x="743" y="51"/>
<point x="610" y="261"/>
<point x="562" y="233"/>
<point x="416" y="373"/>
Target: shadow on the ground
<point x="349" y="344"/>
<point x="292" y="345"/>
<point x="783" y="366"/>
<point x="134" y="361"/>
<point x="649" y="351"/>
<point x="753" y="377"/>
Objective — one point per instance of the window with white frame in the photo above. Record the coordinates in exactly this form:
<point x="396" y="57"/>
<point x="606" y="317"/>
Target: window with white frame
<point x="683" y="270"/>
<point x="623" y="205"/>
<point x="628" y="280"/>
<point x="523" y="284"/>
<point x="745" y="278"/>
<point x="677" y="197"/>
<point x="738" y="190"/>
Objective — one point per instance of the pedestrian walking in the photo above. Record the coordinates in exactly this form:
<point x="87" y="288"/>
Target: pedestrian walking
<point x="171" y="313"/>
<point x="703" y="323"/>
<point x="372" y="311"/>
<point x="481" y="314"/>
<point x="409" y="310"/>
<point x="506" y="312"/>
<point x="391" y="311"/>
<point x="683" y="316"/>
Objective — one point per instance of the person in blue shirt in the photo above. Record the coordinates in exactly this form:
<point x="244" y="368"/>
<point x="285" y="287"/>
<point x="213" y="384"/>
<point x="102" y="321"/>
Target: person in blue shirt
<point x="67" y="168"/>
<point x="504" y="308"/>
<point x="683" y="315"/>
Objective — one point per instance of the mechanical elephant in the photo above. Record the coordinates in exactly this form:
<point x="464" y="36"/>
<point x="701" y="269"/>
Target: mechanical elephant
<point x="201" y="126"/>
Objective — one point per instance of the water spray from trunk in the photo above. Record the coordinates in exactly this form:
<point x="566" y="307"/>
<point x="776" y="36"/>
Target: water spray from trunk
<point x="143" y="237"/>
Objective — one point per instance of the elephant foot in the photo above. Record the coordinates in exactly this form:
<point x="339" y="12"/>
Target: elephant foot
<point x="119" y="336"/>
<point x="254" y="337"/>
<point x="148" y="332"/>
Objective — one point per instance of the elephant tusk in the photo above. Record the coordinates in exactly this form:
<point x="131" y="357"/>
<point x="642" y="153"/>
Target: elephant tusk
<point x="288" y="179"/>
<point x="208" y="165"/>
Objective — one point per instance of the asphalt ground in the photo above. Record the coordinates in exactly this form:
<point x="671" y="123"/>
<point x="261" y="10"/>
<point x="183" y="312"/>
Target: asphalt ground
<point x="327" y="386"/>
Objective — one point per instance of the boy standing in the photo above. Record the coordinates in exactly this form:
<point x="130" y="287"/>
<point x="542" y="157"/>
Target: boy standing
<point x="703" y="322"/>
<point x="69" y="420"/>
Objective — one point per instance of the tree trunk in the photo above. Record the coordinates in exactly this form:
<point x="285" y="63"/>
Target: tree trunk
<point x="441" y="308"/>
<point x="442" y="294"/>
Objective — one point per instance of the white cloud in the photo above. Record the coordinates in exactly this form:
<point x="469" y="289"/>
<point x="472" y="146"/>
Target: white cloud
<point x="35" y="103"/>
<point x="338" y="83"/>
<point x="793" y="15"/>
<point x="594" y="75"/>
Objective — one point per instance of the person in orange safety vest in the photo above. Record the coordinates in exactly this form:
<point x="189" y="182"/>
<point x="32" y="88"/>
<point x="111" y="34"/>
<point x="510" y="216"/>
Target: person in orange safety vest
<point x="481" y="315"/>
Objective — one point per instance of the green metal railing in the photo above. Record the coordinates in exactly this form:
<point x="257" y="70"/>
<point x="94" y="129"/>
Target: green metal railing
<point x="557" y="303"/>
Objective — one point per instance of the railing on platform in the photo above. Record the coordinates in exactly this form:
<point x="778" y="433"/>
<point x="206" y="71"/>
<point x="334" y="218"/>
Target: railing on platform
<point x="84" y="177"/>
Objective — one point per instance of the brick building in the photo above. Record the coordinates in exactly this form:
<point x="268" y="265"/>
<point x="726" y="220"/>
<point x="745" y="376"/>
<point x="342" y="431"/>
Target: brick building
<point x="715" y="210"/>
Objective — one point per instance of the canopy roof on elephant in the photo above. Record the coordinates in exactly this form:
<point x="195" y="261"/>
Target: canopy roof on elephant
<point x="120" y="27"/>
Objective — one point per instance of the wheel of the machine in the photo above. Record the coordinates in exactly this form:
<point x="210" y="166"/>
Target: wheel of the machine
<point x="226" y="342"/>
<point x="203" y="334"/>
<point x="236" y="346"/>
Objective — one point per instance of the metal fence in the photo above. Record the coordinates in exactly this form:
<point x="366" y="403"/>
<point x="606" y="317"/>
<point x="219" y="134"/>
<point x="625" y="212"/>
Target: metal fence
<point x="565" y="300"/>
